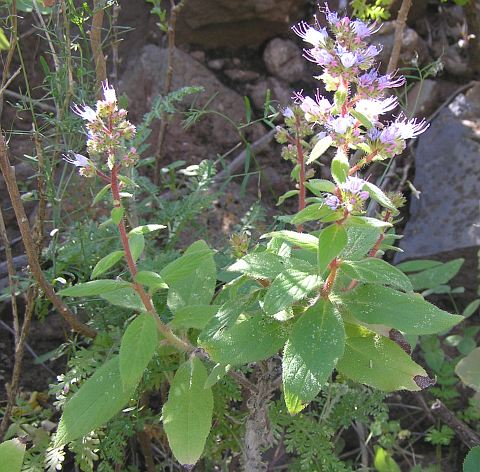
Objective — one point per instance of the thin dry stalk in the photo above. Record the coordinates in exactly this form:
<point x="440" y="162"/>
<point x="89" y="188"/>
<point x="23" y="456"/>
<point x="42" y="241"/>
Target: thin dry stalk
<point x="175" y="9"/>
<point x="8" y="172"/>
<point x="11" y="50"/>
<point x="11" y="277"/>
<point x="397" y="40"/>
<point x="17" y="367"/>
<point x="96" y="45"/>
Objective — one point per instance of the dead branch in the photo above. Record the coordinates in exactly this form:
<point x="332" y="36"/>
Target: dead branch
<point x="96" y="45"/>
<point x="397" y="40"/>
<point x="8" y="172"/>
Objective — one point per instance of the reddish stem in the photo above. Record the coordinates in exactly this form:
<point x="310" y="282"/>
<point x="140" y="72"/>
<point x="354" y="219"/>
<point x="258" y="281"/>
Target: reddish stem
<point x="301" y="161"/>
<point x="327" y="286"/>
<point x="362" y="163"/>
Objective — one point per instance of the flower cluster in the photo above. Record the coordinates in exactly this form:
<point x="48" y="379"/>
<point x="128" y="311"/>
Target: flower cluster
<point x="108" y="130"/>
<point x="351" y="195"/>
<point x="347" y="60"/>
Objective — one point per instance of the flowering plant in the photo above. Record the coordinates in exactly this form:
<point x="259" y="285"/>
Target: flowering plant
<point x="324" y="298"/>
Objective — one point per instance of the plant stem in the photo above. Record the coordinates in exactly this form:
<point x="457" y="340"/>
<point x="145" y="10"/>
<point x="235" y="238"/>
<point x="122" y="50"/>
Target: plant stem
<point x="146" y="299"/>
<point x="327" y="286"/>
<point x="301" y="162"/>
<point x="362" y="163"/>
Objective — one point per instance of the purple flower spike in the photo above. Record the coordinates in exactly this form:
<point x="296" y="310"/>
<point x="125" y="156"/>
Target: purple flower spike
<point x="332" y="202"/>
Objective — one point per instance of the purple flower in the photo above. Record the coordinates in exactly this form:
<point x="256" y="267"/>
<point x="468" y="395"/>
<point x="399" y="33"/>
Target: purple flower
<point x="331" y="17"/>
<point x="287" y="112"/>
<point x="353" y="185"/>
<point x="389" y="134"/>
<point x="348" y="59"/>
<point x="373" y="133"/>
<point x="320" y="56"/>
<point x="363" y="195"/>
<point x="367" y="79"/>
<point x="371" y="51"/>
<point x="388" y="81"/>
<point x="315" y="37"/>
<point x="332" y="202"/>
<point x="340" y="125"/>
<point x="85" y="112"/>
<point x="363" y="30"/>
<point x="313" y="109"/>
<point x="78" y="160"/>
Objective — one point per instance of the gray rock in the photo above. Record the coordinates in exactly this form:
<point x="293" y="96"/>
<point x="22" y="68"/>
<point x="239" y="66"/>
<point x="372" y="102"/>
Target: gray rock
<point x="240" y="75"/>
<point x="423" y="98"/>
<point x="414" y="47"/>
<point x="234" y="24"/>
<point x="216" y="64"/>
<point x="445" y="222"/>
<point x="283" y="59"/>
<point x="280" y="92"/>
<point x="143" y="81"/>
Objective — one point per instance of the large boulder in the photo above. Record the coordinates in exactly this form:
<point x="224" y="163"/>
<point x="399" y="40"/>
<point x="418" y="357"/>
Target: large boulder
<point x="233" y="23"/>
<point x="445" y="221"/>
<point x="283" y="59"/>
<point x="212" y="134"/>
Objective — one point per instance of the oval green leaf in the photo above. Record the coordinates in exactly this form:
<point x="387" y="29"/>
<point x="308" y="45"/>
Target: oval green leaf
<point x="11" y="455"/>
<point x="106" y="263"/>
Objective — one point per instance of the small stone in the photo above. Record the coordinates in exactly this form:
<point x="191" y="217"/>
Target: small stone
<point x="198" y="55"/>
<point x="240" y="75"/>
<point x="283" y="59"/>
<point x="216" y="64"/>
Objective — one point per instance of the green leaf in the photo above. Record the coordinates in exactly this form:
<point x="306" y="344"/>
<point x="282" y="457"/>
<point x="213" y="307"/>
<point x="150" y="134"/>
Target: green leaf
<point x="319" y="149"/>
<point x="217" y="373"/>
<point x="340" y="167"/>
<point x="4" y="42"/>
<point x="468" y="369"/>
<point x="316" y="342"/>
<point x="384" y="462"/>
<point x="303" y="240"/>
<point x="407" y="312"/>
<point x="376" y="271"/>
<point x="248" y="340"/>
<point x="316" y="211"/>
<point x="97" y="401"/>
<point x="287" y="288"/>
<point x="317" y="186"/>
<point x="192" y="278"/>
<point x="263" y="265"/>
<point x="363" y="221"/>
<point x="136" y="241"/>
<point x="331" y="242"/>
<point x="472" y="460"/>
<point x="136" y="349"/>
<point x="360" y="241"/>
<point x="435" y="276"/>
<point x="95" y="287"/>
<point x="101" y="194"/>
<point x="106" y="263"/>
<point x="117" y="214"/>
<point x="125" y="297"/>
<point x="471" y="308"/>
<point x="145" y="229"/>
<point x="362" y="119"/>
<point x="289" y="194"/>
<point x="187" y="414"/>
<point x="378" y="195"/>
<point x="193" y="316"/>
<point x="11" y="455"/>
<point x="377" y="361"/>
<point x="151" y="279"/>
<point x="418" y="265"/>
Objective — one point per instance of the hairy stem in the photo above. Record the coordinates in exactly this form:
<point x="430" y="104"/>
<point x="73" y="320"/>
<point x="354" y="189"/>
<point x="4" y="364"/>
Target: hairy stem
<point x="301" y="162"/>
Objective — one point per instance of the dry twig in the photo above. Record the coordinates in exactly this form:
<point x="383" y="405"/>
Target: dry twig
<point x="8" y="172"/>
<point x="96" y="45"/>
<point x="397" y="40"/>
